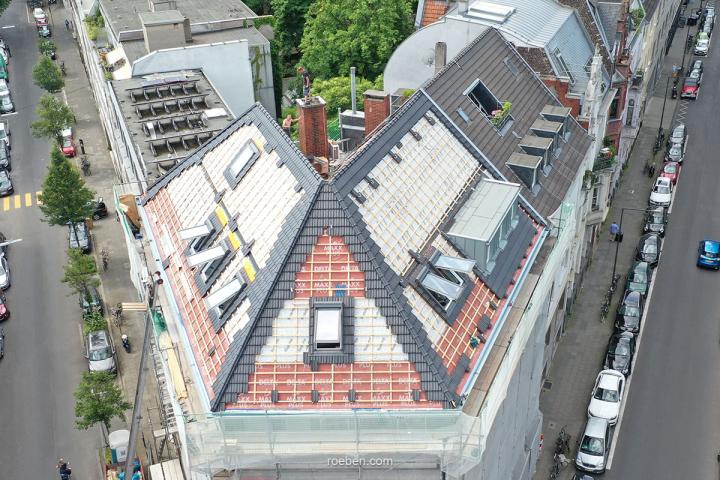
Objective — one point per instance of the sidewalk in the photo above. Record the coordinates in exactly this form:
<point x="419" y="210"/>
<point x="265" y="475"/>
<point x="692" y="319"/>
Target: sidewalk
<point x="116" y="286"/>
<point x="580" y="354"/>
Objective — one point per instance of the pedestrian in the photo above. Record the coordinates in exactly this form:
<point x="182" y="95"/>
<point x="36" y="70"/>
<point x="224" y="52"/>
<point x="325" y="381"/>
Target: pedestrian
<point x="287" y="124"/>
<point x="614" y="230"/>
<point x="82" y="146"/>
<point x="306" y="82"/>
<point x="67" y="24"/>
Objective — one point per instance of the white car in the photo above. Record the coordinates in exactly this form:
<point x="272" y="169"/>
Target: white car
<point x="4" y="273"/>
<point x="39" y="14"/>
<point x="661" y="194"/>
<point x="5" y="134"/>
<point x="679" y="135"/>
<point x="594" y="445"/>
<point x="702" y="45"/>
<point x="607" y="395"/>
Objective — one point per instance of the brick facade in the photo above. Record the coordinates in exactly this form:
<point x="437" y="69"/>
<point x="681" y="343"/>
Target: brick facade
<point x="312" y="124"/>
<point x="377" y="109"/>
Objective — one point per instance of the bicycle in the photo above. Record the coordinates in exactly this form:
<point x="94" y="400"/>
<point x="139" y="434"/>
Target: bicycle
<point x="614" y="283"/>
<point x="105" y="258"/>
<point x="117" y="314"/>
<point x="562" y="443"/>
<point x="605" y="308"/>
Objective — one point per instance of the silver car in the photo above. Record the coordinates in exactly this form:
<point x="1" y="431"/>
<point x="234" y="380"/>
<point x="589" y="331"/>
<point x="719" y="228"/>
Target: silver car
<point x="100" y="352"/>
<point x="4" y="272"/>
<point x="678" y="136"/>
<point x="6" y="104"/>
<point x="594" y="446"/>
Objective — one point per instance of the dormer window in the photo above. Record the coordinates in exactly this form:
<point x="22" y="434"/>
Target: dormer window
<point x="555" y="113"/>
<point x="241" y="163"/>
<point x="552" y="130"/>
<point x="528" y="168"/>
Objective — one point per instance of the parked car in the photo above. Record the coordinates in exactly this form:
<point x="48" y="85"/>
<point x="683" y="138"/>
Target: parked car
<point x="661" y="193"/>
<point x="671" y="171"/>
<point x="4" y="157"/>
<point x="707" y="27"/>
<point x="594" y="446"/>
<point x="39" y="14"/>
<point x="702" y="44"/>
<point x="90" y="301"/>
<point x="2" y="342"/>
<point x="678" y="136"/>
<point x="655" y="221"/>
<point x="675" y="153"/>
<point x="44" y="31"/>
<point x="99" y="209"/>
<point x="4" y="75"/>
<point x="6" y="185"/>
<point x="67" y="145"/>
<point x="690" y="88"/>
<point x="4" y="310"/>
<point x="5" y="134"/>
<point x="629" y="313"/>
<point x="620" y="352"/>
<point x="607" y="395"/>
<point x="4" y="273"/>
<point x="709" y="254"/>
<point x="6" y="103"/>
<point x="79" y="236"/>
<point x="648" y="249"/>
<point x="638" y="279"/>
<point x="4" y="248"/>
<point x="696" y="70"/>
<point x="100" y="352"/>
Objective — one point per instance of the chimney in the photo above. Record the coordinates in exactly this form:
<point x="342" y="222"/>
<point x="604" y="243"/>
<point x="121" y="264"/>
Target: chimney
<point x="353" y="90"/>
<point x="462" y="6"/>
<point x="312" y="123"/>
<point x="440" y="56"/>
<point x="377" y="109"/>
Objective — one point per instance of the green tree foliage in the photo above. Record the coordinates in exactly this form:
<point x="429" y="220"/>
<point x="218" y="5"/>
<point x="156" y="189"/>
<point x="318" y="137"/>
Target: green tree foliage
<point x="46" y="47"/>
<point x="98" y="400"/>
<point x="344" y="33"/>
<point x="80" y="271"/>
<point x="65" y="197"/>
<point x="46" y="75"/>
<point x="94" y="322"/>
<point x="337" y="94"/>
<point x="260" y="7"/>
<point x="4" y="4"/>
<point x="53" y="116"/>
<point x="289" y="25"/>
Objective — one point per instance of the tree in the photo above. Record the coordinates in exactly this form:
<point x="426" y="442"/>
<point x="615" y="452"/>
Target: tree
<point x="46" y="75"/>
<point x="65" y="198"/>
<point x="336" y="92"/>
<point x="98" y="400"/>
<point x="260" y="7"/>
<point x="289" y="18"/>
<point x="53" y="117"/>
<point x="46" y="47"/>
<point x="80" y="271"/>
<point x="94" y="322"/>
<point x="344" y="33"/>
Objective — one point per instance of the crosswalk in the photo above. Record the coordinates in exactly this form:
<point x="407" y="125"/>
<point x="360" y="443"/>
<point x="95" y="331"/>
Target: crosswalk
<point x="22" y="200"/>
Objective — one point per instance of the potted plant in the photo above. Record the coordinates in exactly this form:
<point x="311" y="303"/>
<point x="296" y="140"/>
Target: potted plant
<point x="498" y="116"/>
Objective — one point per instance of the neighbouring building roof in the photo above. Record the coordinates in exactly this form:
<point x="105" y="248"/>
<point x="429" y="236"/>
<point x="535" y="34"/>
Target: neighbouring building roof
<point x="608" y="14"/>
<point x="169" y="115"/>
<point x="430" y="11"/>
<point x="493" y="61"/>
<point x="593" y="27"/>
<point x="296" y="262"/>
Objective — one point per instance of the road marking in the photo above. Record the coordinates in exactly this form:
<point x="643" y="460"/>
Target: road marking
<point x="38" y="198"/>
<point x="64" y="96"/>
<point x="8" y="114"/>
<point x="643" y="320"/>
<point x="6" y="204"/>
<point x="18" y="201"/>
<point x="28" y="199"/>
<point x="8" y="26"/>
<point x="21" y="200"/>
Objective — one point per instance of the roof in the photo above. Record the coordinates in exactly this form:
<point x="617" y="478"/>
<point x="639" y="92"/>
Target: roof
<point x="483" y="211"/>
<point x="361" y="243"/>
<point x="432" y="11"/>
<point x="608" y="14"/>
<point x="650" y="6"/>
<point x="591" y="23"/>
<point x="162" y="17"/>
<point x="125" y="15"/>
<point x="170" y="114"/>
<point x="486" y="58"/>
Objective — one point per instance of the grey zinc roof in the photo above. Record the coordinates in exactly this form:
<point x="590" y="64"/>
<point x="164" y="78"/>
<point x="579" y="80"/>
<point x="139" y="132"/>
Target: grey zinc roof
<point x="161" y="18"/>
<point x="483" y="211"/>
<point x="509" y="259"/>
<point x="485" y="58"/>
<point x="608" y="13"/>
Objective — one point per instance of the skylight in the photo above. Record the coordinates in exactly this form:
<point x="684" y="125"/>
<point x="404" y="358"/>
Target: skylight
<point x="241" y="163"/>
<point x="193" y="232"/>
<point x="206" y="255"/>
<point x="328" y="328"/>
<point x="224" y="293"/>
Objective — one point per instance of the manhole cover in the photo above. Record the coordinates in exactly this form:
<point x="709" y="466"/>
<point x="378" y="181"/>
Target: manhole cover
<point x="552" y="425"/>
<point x="547" y="384"/>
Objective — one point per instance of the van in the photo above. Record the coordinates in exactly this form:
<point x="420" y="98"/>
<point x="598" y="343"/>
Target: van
<point x="594" y="446"/>
<point x="100" y="352"/>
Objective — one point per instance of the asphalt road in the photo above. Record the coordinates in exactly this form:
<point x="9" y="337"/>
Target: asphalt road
<point x="43" y="360"/>
<point x="671" y="425"/>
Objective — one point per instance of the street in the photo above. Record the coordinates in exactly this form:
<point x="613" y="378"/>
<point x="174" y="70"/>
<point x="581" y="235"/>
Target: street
<point x="43" y="359"/>
<point x="671" y="425"/>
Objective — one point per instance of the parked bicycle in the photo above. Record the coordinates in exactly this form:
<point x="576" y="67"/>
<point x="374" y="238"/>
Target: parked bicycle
<point x="614" y="283"/>
<point x="85" y="165"/>
<point x="562" y="443"/>
<point x="117" y="314"/>
<point x="105" y="257"/>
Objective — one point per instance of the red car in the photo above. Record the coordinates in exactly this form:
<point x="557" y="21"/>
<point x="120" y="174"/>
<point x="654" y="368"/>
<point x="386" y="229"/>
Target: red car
<point x="67" y="145"/>
<point x="671" y="170"/>
<point x="690" y="88"/>
<point x="4" y="311"/>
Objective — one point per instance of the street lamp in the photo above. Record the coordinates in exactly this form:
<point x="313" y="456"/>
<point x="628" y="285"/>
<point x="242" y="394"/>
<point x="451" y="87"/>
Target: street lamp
<point x="619" y="236"/>
<point x="152" y="287"/>
<point x="658" y="140"/>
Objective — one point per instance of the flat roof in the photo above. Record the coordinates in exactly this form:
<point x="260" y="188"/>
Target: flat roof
<point x="531" y="140"/>
<point x="555" y="110"/>
<point x="124" y="15"/>
<point x="484" y="210"/>
<point x="546" y="126"/>
<point x="161" y="18"/>
<point x="169" y="115"/>
<point x="524" y="160"/>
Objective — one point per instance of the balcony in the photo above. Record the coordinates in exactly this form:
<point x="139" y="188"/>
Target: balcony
<point x="637" y="80"/>
<point x="605" y="160"/>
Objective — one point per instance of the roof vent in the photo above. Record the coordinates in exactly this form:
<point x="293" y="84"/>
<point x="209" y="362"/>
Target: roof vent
<point x="490" y="12"/>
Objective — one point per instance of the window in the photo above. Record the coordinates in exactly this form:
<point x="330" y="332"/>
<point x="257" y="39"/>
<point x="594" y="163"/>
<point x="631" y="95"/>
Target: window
<point x="222" y="303"/>
<point x="201" y="235"/>
<point x="595" y="204"/>
<point x="444" y="291"/>
<point x="511" y="66"/>
<point x="206" y="255"/>
<point x="328" y="328"/>
<point x="630" y="113"/>
<point x="241" y="163"/>
<point x="564" y="65"/>
<point x="483" y="98"/>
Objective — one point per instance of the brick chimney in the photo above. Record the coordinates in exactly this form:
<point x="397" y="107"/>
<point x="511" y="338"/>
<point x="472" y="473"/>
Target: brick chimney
<point x="312" y="123"/>
<point x="377" y="109"/>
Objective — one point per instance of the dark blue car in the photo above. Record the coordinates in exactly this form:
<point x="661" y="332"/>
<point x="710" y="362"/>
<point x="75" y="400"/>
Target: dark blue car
<point x="709" y="254"/>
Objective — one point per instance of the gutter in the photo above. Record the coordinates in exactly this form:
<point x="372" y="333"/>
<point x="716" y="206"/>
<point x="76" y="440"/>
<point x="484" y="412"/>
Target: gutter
<point x="503" y="316"/>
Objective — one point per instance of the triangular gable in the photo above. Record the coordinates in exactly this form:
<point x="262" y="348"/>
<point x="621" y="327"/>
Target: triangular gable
<point x="329" y="215"/>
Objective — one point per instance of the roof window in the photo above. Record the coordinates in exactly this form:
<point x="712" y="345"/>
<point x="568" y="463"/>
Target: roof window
<point x="328" y="327"/>
<point x="564" y="66"/>
<point x="223" y="302"/>
<point x="206" y="255"/>
<point x="444" y="279"/>
<point x="330" y="332"/>
<point x="201" y="235"/>
<point x="241" y="163"/>
<point x="497" y="113"/>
